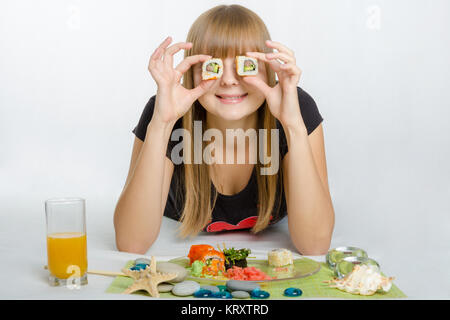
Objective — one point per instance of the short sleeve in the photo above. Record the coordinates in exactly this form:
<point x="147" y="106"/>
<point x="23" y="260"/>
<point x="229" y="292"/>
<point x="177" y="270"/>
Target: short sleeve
<point x="141" y="128"/>
<point x="310" y="114"/>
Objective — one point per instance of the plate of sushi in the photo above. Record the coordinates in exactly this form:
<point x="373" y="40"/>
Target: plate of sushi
<point x="208" y="264"/>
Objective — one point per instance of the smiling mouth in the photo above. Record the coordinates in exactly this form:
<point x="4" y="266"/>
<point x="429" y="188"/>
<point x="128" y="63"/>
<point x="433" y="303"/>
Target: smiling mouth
<point x="231" y="97"/>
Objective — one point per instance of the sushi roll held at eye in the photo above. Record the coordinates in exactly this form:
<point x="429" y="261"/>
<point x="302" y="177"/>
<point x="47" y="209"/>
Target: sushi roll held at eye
<point x="246" y="66"/>
<point x="212" y="69"/>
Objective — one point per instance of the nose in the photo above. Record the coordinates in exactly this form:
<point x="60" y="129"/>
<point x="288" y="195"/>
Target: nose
<point x="229" y="76"/>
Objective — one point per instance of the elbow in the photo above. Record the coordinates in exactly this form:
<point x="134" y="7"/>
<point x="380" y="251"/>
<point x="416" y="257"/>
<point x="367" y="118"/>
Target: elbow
<point x="132" y="244"/>
<point x="133" y="247"/>
<point x="316" y="246"/>
<point x="316" y="243"/>
<point x="132" y="241"/>
<point x="316" y="250"/>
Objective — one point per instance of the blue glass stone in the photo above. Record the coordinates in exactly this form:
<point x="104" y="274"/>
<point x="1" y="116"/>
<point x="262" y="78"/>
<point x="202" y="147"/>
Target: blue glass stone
<point x="203" y="293"/>
<point x="139" y="266"/>
<point x="222" y="288"/>
<point x="221" y="295"/>
<point x="259" y="294"/>
<point x="293" y="292"/>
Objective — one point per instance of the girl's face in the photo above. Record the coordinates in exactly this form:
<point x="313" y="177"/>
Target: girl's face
<point x="231" y="84"/>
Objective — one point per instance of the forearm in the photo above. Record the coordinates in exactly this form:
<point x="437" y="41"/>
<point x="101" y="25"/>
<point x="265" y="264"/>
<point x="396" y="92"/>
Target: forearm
<point x="310" y="210"/>
<point x="138" y="213"/>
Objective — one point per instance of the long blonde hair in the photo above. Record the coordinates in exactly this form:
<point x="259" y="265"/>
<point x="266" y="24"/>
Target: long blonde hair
<point x="225" y="31"/>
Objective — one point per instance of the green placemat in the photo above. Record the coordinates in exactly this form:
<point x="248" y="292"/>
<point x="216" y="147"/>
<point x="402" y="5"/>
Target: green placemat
<point x="312" y="287"/>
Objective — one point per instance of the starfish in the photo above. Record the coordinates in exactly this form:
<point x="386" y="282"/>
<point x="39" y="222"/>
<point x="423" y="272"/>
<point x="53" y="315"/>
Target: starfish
<point x="147" y="279"/>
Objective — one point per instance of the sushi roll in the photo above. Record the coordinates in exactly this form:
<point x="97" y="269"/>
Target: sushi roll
<point x="198" y="251"/>
<point x="212" y="69"/>
<point x="213" y="255"/>
<point x="246" y="66"/>
<point x="280" y="257"/>
<point x="204" y="252"/>
<point x="235" y="257"/>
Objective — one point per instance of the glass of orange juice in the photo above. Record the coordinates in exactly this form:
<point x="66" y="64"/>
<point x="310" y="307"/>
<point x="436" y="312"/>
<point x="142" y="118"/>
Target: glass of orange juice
<point x="66" y="241"/>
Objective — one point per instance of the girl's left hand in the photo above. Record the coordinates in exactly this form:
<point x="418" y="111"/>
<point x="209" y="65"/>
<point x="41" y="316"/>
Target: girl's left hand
<point x="282" y="99"/>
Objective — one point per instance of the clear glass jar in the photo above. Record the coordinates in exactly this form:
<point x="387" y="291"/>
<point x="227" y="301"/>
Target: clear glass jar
<point x="337" y="254"/>
<point x="346" y="265"/>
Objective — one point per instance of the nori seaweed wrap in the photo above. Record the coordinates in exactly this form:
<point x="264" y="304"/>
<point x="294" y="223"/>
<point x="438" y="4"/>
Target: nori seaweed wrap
<point x="236" y="258"/>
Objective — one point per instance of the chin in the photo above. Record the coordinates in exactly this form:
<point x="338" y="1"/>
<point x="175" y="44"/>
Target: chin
<point x="233" y="112"/>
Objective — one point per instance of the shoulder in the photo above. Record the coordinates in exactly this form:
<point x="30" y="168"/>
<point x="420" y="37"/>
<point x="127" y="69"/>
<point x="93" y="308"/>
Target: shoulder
<point x="146" y="116"/>
<point x="141" y="128"/>
<point x="149" y="108"/>
<point x="309" y="110"/>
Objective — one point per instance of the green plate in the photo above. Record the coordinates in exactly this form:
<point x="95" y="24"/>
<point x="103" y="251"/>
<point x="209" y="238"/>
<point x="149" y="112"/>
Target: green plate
<point x="302" y="267"/>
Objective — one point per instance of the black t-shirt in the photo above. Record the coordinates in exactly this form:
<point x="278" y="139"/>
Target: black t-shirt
<point x="238" y="211"/>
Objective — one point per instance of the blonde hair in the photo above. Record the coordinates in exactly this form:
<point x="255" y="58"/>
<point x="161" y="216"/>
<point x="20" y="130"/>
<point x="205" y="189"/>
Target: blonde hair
<point x="225" y="31"/>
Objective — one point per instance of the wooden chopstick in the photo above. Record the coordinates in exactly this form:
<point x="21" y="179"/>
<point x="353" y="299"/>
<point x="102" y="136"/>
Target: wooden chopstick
<point x="107" y="273"/>
<point x="102" y="273"/>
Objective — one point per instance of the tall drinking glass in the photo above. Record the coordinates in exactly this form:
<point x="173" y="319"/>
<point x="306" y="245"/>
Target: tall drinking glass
<point x="66" y="241"/>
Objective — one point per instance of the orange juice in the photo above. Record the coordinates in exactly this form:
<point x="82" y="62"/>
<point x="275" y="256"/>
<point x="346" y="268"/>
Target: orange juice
<point x="65" y="250"/>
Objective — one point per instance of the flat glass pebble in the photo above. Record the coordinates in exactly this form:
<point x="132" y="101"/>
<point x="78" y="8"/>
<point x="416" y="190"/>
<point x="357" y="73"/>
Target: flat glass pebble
<point x="221" y="295"/>
<point x="222" y="288"/>
<point x="142" y="261"/>
<point x="139" y="266"/>
<point x="293" y="292"/>
<point x="203" y="293"/>
<point x="259" y="294"/>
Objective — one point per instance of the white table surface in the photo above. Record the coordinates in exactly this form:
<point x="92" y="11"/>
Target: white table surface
<point x="23" y="256"/>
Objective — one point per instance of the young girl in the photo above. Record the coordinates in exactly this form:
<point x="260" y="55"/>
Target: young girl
<point x="220" y="196"/>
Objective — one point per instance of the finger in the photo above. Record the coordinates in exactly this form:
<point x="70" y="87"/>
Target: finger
<point x="281" y="56"/>
<point x="202" y="88"/>
<point x="184" y="65"/>
<point x="166" y="42"/>
<point x="291" y="68"/>
<point x="158" y="53"/>
<point x="274" y="64"/>
<point x="280" y="47"/>
<point x="168" y="55"/>
<point x="162" y="47"/>
<point x="156" y="56"/>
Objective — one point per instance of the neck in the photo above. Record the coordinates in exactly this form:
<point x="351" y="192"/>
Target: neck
<point x="230" y="147"/>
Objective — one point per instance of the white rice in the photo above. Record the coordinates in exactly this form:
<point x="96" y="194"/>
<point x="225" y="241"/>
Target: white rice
<point x="240" y="66"/>
<point x="212" y="75"/>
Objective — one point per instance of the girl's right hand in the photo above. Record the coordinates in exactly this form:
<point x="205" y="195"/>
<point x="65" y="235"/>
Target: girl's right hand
<point x="172" y="99"/>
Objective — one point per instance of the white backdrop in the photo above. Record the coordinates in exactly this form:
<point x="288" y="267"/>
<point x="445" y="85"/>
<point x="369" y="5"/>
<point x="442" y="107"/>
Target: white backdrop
<point x="74" y="81"/>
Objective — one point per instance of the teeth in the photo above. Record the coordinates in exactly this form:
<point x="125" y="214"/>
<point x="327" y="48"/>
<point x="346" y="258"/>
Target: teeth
<point x="231" y="98"/>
